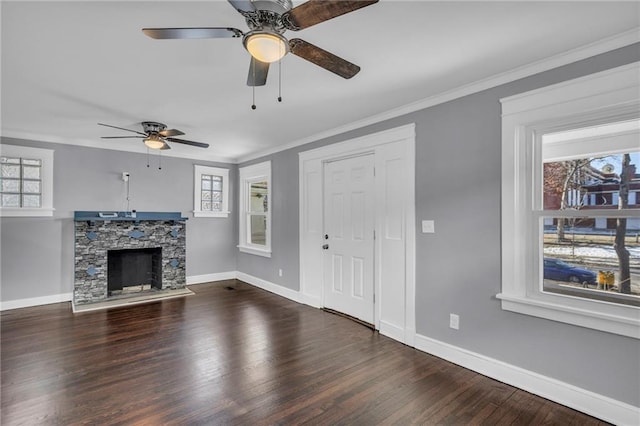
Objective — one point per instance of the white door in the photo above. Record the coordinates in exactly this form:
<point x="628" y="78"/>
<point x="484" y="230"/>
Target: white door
<point x="348" y="237"/>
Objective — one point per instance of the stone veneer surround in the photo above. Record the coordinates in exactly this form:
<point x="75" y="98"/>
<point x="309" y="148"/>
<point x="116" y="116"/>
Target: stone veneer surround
<point x="95" y="236"/>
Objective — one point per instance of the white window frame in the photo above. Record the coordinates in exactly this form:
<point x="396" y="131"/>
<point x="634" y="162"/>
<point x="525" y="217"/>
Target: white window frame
<point x="260" y="172"/>
<point x="46" y="157"/>
<point x="607" y="96"/>
<point x="197" y="190"/>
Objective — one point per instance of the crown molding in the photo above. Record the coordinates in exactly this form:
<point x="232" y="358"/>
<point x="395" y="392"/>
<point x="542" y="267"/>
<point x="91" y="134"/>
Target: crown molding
<point x="601" y="46"/>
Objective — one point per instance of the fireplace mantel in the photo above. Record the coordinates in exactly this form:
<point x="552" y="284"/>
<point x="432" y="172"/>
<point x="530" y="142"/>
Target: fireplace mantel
<point x="97" y="233"/>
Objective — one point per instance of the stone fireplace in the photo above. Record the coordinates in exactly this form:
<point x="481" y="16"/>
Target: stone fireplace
<point x="118" y="255"/>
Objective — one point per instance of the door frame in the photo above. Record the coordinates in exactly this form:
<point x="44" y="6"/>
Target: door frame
<point x="394" y="315"/>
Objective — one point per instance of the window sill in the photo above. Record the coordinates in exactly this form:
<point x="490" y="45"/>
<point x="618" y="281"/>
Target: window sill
<point x="625" y="321"/>
<point x="210" y="214"/>
<point x="255" y="251"/>
<point x="22" y="212"/>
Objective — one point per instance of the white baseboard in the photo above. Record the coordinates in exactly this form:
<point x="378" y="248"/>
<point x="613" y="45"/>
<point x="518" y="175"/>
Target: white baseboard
<point x="392" y="331"/>
<point x="294" y="295"/>
<point x="588" y="402"/>
<point x="218" y="276"/>
<point x="35" y="301"/>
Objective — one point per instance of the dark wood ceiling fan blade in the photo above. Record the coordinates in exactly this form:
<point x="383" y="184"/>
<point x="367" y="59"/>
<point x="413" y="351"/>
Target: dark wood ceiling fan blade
<point x="171" y="132"/>
<point x="122" y="128"/>
<point x="257" y="73"/>
<point x="185" y="33"/>
<point x="322" y="58"/>
<point x="186" y="142"/>
<point x="315" y="11"/>
<point x="242" y="5"/>
<point x="122" y="137"/>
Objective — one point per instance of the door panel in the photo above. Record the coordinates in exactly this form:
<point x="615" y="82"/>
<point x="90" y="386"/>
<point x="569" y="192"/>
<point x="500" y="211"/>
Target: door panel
<point x="349" y="225"/>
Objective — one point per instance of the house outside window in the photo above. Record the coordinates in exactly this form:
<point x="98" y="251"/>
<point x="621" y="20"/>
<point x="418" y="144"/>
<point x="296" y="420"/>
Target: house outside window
<point x="26" y="181"/>
<point x="211" y="192"/>
<point x="255" y="209"/>
<point x="564" y="259"/>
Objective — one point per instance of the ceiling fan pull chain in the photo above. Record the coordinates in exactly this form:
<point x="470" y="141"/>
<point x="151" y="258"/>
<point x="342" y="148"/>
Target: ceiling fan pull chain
<point x="159" y="160"/>
<point x="280" y="80"/>
<point x="147" y="157"/>
<point x="253" y="86"/>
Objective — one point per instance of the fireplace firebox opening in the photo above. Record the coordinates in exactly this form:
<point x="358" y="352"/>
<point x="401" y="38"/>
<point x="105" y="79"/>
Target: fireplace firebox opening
<point x="134" y="270"/>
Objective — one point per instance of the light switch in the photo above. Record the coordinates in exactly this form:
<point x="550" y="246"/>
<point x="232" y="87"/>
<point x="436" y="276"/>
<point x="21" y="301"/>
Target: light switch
<point x="428" y="227"/>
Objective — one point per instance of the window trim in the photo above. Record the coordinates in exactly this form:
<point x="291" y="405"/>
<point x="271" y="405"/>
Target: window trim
<point x="46" y="156"/>
<point x="597" y="98"/>
<point x="198" y="171"/>
<point x="248" y="175"/>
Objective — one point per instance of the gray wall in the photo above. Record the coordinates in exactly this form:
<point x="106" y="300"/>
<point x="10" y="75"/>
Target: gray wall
<point x="458" y="186"/>
<point x="37" y="253"/>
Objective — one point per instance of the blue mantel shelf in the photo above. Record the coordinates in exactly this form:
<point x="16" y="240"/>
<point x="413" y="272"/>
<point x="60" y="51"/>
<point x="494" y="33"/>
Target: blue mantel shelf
<point x="126" y="216"/>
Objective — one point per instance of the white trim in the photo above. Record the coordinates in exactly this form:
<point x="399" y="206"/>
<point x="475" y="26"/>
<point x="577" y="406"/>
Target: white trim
<point x="588" y="402"/>
<point x="602" y="46"/>
<point x="607" y="96"/>
<point x="46" y="180"/>
<point x="311" y="161"/>
<point x="198" y="171"/>
<point x="285" y="292"/>
<point x="35" y="301"/>
<point x="247" y="176"/>
<point x="218" y="276"/>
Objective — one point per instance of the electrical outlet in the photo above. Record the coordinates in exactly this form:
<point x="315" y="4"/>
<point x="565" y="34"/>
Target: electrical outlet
<point x="454" y="321"/>
<point x="280" y="272"/>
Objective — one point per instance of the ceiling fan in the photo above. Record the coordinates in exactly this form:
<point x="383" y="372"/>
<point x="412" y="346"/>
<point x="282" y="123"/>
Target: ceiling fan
<point x="155" y="135"/>
<point x="267" y="21"/>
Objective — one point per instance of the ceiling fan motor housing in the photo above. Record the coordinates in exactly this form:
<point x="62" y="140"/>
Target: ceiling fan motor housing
<point x="153" y="127"/>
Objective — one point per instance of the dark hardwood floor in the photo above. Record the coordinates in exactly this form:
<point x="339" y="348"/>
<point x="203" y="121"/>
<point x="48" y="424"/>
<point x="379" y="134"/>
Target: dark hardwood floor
<point x="241" y="356"/>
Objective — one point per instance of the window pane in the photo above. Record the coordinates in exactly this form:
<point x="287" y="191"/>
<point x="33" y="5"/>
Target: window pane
<point x="30" y="201"/>
<point x="206" y="183"/>
<point x="31" y="186"/>
<point x="205" y="195"/>
<point x="258" y="225"/>
<point x="31" y="162"/>
<point x="592" y="182"/>
<point x="258" y="197"/>
<point x="10" y="170"/>
<point x="31" y="172"/>
<point x="216" y="185"/>
<point x="206" y="206"/>
<point x="10" y="185"/>
<point x="216" y="207"/>
<point x="10" y="200"/>
<point x="584" y="262"/>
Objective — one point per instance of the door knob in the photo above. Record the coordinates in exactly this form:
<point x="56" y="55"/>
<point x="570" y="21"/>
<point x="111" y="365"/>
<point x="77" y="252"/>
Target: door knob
<point x="325" y="246"/>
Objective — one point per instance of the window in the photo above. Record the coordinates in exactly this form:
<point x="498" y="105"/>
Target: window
<point x="211" y="192"/>
<point x="562" y="256"/>
<point x="26" y="181"/>
<point x="255" y="211"/>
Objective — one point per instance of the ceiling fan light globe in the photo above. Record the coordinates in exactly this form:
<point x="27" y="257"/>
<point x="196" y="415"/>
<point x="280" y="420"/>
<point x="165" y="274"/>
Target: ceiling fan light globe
<point x="265" y="46"/>
<point x="154" y="142"/>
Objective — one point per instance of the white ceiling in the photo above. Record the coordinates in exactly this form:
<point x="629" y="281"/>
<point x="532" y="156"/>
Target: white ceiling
<point x="69" y="65"/>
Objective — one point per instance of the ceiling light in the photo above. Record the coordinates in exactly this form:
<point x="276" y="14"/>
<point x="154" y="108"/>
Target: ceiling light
<point x="154" y="141"/>
<point x="266" y="46"/>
